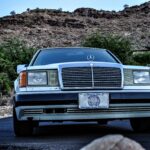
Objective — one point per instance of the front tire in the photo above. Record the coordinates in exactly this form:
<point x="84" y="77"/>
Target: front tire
<point x="22" y="128"/>
<point x="140" y="124"/>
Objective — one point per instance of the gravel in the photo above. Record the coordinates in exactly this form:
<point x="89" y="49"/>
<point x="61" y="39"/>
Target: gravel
<point x="5" y="111"/>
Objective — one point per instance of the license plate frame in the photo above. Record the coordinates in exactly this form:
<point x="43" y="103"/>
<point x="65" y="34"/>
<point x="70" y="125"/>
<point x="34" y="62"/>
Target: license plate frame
<point x="93" y="100"/>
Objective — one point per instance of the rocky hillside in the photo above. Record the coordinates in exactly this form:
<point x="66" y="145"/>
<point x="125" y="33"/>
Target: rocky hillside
<point x="47" y="27"/>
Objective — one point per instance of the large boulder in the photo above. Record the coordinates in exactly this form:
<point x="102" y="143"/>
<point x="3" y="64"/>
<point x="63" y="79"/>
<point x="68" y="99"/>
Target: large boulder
<point x="113" y="142"/>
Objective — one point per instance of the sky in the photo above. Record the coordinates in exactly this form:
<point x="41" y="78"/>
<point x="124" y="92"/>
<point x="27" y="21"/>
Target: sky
<point x="19" y="6"/>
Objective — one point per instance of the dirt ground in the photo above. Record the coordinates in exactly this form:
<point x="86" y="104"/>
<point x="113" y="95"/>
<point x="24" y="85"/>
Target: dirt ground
<point x="5" y="106"/>
<point x="5" y="111"/>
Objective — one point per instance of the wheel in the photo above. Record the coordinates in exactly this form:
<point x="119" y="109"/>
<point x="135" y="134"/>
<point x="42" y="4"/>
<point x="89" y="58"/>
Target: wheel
<point x="140" y="124"/>
<point x="22" y="128"/>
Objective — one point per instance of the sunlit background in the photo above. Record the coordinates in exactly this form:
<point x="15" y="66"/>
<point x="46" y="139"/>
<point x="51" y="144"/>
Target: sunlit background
<point x="6" y="6"/>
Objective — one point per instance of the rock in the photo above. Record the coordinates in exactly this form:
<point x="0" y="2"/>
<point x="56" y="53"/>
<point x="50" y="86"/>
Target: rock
<point x="113" y="142"/>
<point x="50" y="27"/>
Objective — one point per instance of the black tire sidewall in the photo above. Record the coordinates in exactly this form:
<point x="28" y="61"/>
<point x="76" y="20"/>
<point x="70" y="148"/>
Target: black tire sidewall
<point x="21" y="128"/>
<point x="140" y="124"/>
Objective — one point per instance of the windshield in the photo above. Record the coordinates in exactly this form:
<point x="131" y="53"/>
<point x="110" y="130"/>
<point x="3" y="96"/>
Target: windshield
<point x="60" y="55"/>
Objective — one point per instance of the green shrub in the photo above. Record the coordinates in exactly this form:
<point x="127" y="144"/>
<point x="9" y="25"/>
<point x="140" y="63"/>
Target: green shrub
<point x="4" y="83"/>
<point x="120" y="46"/>
<point x="142" y="58"/>
<point x="13" y="13"/>
<point x="12" y="53"/>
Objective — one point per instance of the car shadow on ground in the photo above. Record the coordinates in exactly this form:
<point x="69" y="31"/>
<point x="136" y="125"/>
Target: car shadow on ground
<point x="87" y="128"/>
<point x="71" y="135"/>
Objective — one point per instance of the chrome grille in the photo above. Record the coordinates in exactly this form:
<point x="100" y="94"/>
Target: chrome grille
<point x="63" y="109"/>
<point x="32" y="111"/>
<point x="111" y="109"/>
<point x="77" y="77"/>
<point x="91" y="77"/>
<point x="107" y="77"/>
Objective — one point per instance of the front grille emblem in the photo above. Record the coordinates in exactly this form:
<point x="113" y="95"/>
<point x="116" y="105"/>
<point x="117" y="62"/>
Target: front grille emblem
<point x="90" y="57"/>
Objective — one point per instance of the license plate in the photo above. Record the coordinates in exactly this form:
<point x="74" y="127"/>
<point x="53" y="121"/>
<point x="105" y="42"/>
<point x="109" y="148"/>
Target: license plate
<point x="93" y="100"/>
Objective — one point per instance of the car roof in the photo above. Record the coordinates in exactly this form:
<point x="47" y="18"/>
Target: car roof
<point x="77" y="48"/>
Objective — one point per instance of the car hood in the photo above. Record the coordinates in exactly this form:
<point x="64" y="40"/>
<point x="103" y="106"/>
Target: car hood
<point x="74" y="64"/>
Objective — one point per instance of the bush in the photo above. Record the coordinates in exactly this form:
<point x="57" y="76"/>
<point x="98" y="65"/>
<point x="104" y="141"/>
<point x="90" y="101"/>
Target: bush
<point x="142" y="58"/>
<point x="5" y="84"/>
<point x="4" y="101"/>
<point x="13" y="13"/>
<point x="12" y="53"/>
<point x="120" y="46"/>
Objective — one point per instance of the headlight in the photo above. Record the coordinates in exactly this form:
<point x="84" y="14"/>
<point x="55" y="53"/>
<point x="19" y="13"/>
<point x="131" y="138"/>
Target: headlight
<point x="53" y="78"/>
<point x="37" y="78"/>
<point x="141" y="77"/>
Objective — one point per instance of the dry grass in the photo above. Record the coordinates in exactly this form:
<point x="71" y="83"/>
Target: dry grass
<point x="5" y="111"/>
<point x="5" y="101"/>
<point x="5" y="106"/>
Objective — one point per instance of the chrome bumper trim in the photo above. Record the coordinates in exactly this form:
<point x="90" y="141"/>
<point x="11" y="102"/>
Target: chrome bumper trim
<point x="116" y="111"/>
<point x="85" y="91"/>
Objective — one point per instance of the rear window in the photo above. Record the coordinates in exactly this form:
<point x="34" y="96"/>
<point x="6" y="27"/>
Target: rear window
<point x="60" y="55"/>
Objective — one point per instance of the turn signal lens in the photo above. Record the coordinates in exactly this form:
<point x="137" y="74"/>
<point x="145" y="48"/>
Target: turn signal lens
<point x="53" y="75"/>
<point x="23" y="79"/>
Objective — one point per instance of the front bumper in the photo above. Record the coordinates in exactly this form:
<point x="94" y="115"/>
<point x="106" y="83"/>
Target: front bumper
<point x="64" y="106"/>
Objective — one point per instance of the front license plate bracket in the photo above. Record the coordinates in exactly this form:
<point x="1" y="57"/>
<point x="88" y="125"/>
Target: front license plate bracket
<point x="93" y="100"/>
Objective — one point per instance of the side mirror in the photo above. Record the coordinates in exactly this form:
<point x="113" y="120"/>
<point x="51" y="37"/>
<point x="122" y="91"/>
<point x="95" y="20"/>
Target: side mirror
<point x="21" y="68"/>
